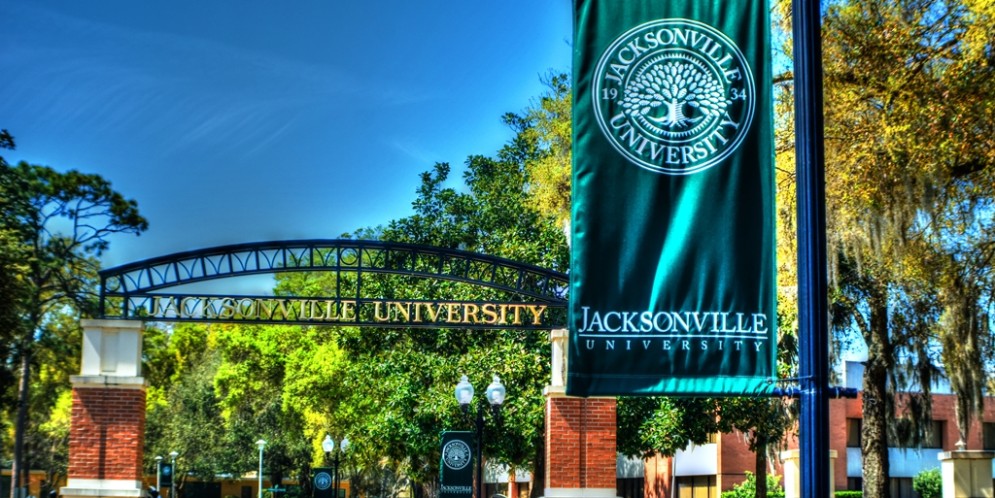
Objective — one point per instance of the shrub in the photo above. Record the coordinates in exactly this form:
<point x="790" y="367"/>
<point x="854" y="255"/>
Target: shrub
<point x="928" y="483"/>
<point x="748" y="488"/>
<point x="849" y="494"/>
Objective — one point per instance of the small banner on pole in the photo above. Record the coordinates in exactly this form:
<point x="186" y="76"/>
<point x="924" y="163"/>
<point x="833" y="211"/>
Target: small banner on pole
<point x="165" y="476"/>
<point x="324" y="483"/>
<point x="673" y="254"/>
<point x="456" y="467"/>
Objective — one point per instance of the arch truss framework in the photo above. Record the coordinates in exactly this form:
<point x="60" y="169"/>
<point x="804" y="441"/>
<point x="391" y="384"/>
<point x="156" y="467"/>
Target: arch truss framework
<point x="526" y="296"/>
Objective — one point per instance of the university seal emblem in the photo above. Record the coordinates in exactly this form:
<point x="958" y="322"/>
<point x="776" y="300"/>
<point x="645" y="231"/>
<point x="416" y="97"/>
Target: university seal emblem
<point x="322" y="481"/>
<point x="456" y="454"/>
<point x="673" y="96"/>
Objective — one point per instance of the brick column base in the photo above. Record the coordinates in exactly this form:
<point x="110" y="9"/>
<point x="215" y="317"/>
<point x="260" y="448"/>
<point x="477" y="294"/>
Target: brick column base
<point x="580" y="446"/>
<point x="106" y="436"/>
<point x="107" y="429"/>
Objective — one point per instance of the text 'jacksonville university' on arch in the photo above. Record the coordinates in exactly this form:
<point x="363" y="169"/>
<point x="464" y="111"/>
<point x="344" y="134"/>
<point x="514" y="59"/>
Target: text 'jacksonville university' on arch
<point x="527" y="297"/>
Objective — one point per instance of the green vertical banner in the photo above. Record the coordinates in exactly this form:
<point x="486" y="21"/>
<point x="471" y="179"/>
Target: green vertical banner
<point x="456" y="467"/>
<point x="673" y="251"/>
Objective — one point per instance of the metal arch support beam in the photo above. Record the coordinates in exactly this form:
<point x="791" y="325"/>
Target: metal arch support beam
<point x="340" y="255"/>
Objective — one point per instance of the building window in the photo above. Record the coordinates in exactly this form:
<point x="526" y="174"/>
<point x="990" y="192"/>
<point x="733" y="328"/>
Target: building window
<point x="627" y="487"/>
<point x="853" y="427"/>
<point x="988" y="435"/>
<point x="696" y="487"/>
<point x="901" y="487"/>
<point x="932" y="436"/>
<point x="855" y="483"/>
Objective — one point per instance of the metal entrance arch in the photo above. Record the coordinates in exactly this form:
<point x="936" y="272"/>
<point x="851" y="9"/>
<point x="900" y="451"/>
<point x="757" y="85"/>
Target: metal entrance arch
<point x="109" y="393"/>
<point x="535" y="297"/>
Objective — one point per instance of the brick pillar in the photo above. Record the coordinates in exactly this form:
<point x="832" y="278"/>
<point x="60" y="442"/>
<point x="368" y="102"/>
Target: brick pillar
<point x="580" y="438"/>
<point x="107" y="428"/>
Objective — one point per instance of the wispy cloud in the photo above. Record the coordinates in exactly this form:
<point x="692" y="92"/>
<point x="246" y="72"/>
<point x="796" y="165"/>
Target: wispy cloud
<point x="186" y="91"/>
<point x="420" y="155"/>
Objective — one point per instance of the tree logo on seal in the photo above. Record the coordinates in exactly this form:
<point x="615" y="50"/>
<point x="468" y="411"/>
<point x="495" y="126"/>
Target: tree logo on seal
<point x="456" y="454"/>
<point x="674" y="96"/>
<point x="322" y="481"/>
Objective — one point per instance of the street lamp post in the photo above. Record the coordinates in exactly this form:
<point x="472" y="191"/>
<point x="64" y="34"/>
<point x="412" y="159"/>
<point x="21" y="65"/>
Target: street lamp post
<point x="329" y="446"/>
<point x="172" y="480"/>
<point x="261" y="444"/>
<point x="158" y="473"/>
<point x="495" y="395"/>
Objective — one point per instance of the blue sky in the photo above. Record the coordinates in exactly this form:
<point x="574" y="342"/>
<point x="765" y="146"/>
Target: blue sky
<point x="247" y="121"/>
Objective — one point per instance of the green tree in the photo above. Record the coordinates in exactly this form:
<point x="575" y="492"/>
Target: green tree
<point x="909" y="122"/>
<point x="765" y="423"/>
<point x="249" y="385"/>
<point x="13" y="292"/>
<point x="13" y="274"/>
<point x="548" y="126"/>
<point x="59" y="223"/>
<point x="47" y="434"/>
<point x="183" y="410"/>
<point x="661" y="425"/>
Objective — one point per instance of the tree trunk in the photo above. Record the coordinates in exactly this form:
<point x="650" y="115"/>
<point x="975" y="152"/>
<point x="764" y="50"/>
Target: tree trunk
<point x="874" y="433"/>
<point x="17" y="467"/>
<point x="963" y="414"/>
<point x="761" y="474"/>
<point x="538" y="486"/>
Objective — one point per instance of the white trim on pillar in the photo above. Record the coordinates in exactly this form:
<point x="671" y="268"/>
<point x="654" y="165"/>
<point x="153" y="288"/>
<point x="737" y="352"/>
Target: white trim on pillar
<point x="107" y="382"/>
<point x="558" y="340"/>
<point x="580" y="493"/>
<point x="112" y="348"/>
<point x="558" y="368"/>
<point x="112" y="488"/>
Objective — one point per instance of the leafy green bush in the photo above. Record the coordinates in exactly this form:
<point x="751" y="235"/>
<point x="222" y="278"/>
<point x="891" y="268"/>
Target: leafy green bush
<point x="748" y="488"/>
<point x="849" y="494"/>
<point x="928" y="483"/>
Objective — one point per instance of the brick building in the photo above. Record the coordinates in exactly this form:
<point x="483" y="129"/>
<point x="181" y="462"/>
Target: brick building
<point x="706" y="470"/>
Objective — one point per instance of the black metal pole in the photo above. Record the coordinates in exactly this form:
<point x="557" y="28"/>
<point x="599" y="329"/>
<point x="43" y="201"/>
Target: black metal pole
<point x="812" y="274"/>
<point x="328" y="458"/>
<point x="480" y="452"/>
<point x="335" y="479"/>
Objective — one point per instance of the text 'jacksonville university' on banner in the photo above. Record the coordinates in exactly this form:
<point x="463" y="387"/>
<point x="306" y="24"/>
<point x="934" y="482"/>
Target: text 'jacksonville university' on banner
<point x="672" y="271"/>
